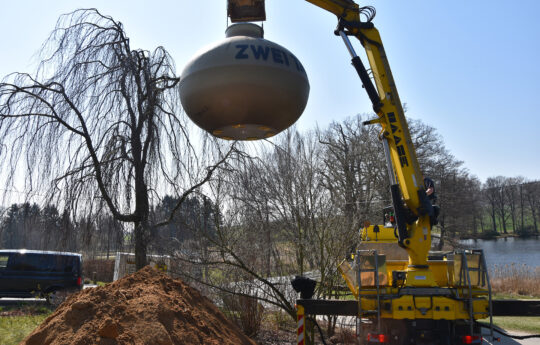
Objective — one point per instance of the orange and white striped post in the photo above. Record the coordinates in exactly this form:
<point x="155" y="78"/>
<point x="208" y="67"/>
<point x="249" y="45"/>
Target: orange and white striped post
<point x="300" y="325"/>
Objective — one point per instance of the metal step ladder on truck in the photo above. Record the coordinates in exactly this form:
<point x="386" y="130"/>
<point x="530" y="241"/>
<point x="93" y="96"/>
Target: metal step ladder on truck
<point x="403" y="293"/>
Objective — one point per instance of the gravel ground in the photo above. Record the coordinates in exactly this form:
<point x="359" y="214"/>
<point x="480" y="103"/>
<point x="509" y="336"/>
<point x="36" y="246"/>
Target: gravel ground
<point x="275" y="337"/>
<point x="282" y="337"/>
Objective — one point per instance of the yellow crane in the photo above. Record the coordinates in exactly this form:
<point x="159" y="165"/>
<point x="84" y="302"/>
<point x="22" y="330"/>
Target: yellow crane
<point x="420" y="300"/>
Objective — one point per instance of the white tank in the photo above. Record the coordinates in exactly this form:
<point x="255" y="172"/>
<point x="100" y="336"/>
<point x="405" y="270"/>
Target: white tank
<point x="245" y="87"/>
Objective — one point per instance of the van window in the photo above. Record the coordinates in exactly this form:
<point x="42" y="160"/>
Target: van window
<point x="43" y="263"/>
<point x="24" y="262"/>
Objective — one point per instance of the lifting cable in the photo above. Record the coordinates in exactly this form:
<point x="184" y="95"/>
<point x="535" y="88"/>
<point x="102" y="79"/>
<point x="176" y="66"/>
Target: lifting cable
<point x="503" y="332"/>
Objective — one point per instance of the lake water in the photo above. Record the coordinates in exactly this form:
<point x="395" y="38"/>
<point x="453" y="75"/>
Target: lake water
<point x="507" y="251"/>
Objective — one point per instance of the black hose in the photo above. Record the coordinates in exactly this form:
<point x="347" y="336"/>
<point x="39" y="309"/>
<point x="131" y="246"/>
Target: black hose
<point x="318" y="327"/>
<point x="503" y="332"/>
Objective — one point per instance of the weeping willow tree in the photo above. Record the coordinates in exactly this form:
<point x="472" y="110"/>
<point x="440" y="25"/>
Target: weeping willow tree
<point x="97" y="127"/>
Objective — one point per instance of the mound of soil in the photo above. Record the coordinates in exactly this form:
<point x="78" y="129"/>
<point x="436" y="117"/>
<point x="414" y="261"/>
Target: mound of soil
<point x="146" y="307"/>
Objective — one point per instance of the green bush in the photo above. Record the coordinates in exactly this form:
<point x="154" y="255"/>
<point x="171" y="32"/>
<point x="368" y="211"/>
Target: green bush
<point x="488" y="234"/>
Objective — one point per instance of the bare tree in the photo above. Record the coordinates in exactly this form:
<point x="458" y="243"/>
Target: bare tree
<point x="495" y="192"/>
<point x="512" y="193"/>
<point x="532" y="195"/>
<point x="278" y="221"/>
<point x="98" y="125"/>
<point x="354" y="170"/>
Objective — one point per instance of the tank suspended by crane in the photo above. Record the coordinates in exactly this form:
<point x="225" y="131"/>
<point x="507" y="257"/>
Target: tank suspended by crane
<point x="244" y="87"/>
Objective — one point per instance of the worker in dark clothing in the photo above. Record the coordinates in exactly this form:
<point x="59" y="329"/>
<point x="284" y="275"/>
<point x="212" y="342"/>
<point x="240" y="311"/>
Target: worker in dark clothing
<point x="430" y="190"/>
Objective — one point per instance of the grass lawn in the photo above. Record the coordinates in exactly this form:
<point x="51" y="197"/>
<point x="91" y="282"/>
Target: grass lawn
<point x="512" y="296"/>
<point x="528" y="324"/>
<point x="16" y="323"/>
<point x="13" y="329"/>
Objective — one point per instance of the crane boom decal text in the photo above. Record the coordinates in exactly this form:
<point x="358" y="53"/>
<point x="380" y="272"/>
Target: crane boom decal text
<point x="400" y="149"/>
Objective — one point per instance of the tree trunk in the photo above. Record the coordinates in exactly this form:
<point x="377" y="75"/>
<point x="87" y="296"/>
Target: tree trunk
<point x="503" y="220"/>
<point x="493" y="219"/>
<point x="534" y="218"/>
<point x="474" y="221"/>
<point x="513" y="213"/>
<point x="331" y="325"/>
<point x="522" y="207"/>
<point x="141" y="229"/>
<point x="534" y="222"/>
<point x="109" y="225"/>
<point x="300" y="250"/>
<point x="482" y="228"/>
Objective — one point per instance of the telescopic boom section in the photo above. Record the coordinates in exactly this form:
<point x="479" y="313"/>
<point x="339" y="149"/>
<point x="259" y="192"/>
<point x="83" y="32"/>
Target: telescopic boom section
<point x="414" y="224"/>
<point x="344" y="9"/>
<point x="411" y="206"/>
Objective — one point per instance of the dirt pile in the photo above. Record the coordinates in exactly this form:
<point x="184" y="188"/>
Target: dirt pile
<point x="146" y="307"/>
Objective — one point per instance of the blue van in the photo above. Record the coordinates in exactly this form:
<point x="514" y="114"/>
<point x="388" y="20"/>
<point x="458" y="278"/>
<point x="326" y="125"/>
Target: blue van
<point x="34" y="273"/>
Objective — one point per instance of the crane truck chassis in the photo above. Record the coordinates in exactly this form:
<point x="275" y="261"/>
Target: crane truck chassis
<point x="404" y="294"/>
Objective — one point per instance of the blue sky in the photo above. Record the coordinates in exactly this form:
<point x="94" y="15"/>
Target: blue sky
<point x="468" y="68"/>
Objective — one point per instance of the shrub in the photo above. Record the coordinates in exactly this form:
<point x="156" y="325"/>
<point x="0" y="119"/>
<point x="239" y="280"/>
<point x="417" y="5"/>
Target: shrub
<point x="527" y="231"/>
<point x="488" y="234"/>
<point x="246" y="312"/>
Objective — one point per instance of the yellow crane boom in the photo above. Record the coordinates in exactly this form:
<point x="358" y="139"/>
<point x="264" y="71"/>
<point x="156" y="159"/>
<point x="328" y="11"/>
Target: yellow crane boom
<point x="414" y="213"/>
<point x="433" y="301"/>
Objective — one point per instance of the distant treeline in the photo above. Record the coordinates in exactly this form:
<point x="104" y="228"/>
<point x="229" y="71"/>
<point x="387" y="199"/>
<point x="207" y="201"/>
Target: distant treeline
<point x="46" y="228"/>
<point x="297" y="187"/>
